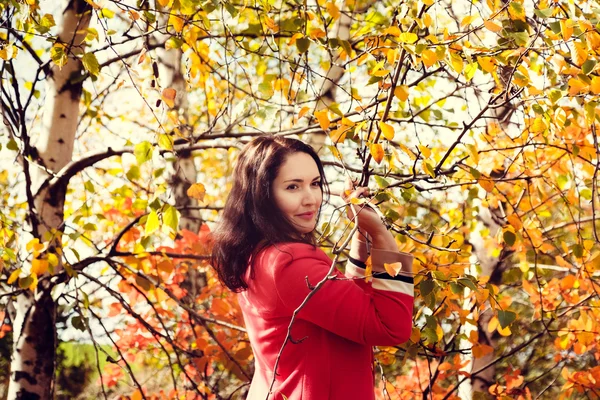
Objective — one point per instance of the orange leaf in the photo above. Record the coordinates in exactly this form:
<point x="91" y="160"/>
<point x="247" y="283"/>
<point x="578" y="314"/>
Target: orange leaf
<point x="579" y="53"/>
<point x="220" y="307"/>
<point x="566" y="28"/>
<point x="323" y="118"/>
<point x="481" y="350"/>
<point x="393" y="269"/>
<point x="429" y="58"/>
<point x="401" y="92"/>
<point x="168" y="96"/>
<point x="492" y="26"/>
<point x="377" y="152"/>
<point x="38" y="266"/>
<point x="514" y="220"/>
<point x="137" y="395"/>
<point x="303" y="112"/>
<point x="486" y="63"/>
<point x="487" y="184"/>
<point x="368" y="270"/>
<point x="197" y="191"/>
<point x="387" y="130"/>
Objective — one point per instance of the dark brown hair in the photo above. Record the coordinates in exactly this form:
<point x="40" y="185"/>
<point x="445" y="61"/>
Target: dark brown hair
<point x="251" y="220"/>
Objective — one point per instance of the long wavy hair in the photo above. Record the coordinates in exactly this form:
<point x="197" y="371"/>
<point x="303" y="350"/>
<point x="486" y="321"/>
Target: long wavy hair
<point x="251" y="220"/>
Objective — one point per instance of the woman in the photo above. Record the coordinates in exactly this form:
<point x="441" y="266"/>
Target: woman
<point x="264" y="248"/>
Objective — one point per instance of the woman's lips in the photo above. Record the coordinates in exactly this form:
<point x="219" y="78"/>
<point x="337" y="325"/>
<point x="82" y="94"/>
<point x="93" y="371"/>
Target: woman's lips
<point x="307" y="216"/>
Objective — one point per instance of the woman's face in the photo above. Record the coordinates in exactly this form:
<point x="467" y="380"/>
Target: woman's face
<point x="297" y="191"/>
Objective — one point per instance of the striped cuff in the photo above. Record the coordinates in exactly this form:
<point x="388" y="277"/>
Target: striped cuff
<point x="401" y="283"/>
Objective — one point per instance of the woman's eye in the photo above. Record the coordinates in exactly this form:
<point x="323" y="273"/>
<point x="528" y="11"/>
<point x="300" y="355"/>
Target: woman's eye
<point x="317" y="183"/>
<point x="292" y="187"/>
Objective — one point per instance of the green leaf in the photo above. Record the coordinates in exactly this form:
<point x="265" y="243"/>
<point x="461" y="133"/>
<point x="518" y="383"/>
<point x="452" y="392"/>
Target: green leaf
<point x="577" y="250"/>
<point x="92" y="34"/>
<point x="90" y="63"/>
<point x="152" y="223"/>
<point x="381" y="182"/>
<point x="426" y="287"/>
<point x="545" y="13"/>
<point x="588" y="66"/>
<point x="509" y="237"/>
<point x="58" y="54"/>
<point x="302" y="44"/>
<point x="133" y="173"/>
<point x="143" y="152"/>
<point x="89" y="186"/>
<point x="46" y="22"/>
<point x="555" y="95"/>
<point x="12" y="145"/>
<point x="165" y="141"/>
<point x="468" y="283"/>
<point x="171" y="218"/>
<point x="537" y="109"/>
<point x="506" y="318"/>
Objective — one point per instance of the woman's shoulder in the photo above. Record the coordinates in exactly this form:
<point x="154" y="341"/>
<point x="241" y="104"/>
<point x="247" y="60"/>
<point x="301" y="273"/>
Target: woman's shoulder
<point x="287" y="252"/>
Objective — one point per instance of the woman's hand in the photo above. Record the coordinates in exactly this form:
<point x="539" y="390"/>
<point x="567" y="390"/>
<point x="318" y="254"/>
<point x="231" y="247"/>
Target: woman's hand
<point x="361" y="213"/>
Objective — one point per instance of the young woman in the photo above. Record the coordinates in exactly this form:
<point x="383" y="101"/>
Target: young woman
<point x="264" y="248"/>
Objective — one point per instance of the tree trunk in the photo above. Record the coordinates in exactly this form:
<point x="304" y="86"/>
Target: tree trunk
<point x="34" y="328"/>
<point x="185" y="172"/>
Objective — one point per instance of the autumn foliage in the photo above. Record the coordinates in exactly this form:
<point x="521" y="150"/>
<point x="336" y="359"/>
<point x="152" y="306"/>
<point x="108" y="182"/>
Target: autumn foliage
<point x="474" y="123"/>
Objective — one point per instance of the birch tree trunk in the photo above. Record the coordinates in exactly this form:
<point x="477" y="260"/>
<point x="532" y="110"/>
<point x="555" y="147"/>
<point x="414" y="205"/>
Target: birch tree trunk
<point x="34" y="327"/>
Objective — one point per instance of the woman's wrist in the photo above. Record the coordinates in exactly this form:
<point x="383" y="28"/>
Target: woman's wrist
<point x="384" y="241"/>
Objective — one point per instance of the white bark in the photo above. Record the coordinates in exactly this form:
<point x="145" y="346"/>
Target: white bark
<point x="34" y="323"/>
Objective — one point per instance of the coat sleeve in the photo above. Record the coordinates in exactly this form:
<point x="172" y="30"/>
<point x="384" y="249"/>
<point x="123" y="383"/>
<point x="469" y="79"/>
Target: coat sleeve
<point x="380" y="316"/>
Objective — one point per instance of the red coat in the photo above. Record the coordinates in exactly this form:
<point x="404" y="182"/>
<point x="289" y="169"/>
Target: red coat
<point x="336" y="327"/>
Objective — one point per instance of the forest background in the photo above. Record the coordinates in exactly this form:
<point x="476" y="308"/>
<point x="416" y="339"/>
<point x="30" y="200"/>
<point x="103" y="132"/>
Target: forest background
<point x="473" y="121"/>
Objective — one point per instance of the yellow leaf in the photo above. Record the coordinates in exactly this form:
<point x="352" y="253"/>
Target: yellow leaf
<point x="368" y="270"/>
<point x="426" y="151"/>
<point x="468" y="20"/>
<point x="492" y="26"/>
<point x="579" y="53"/>
<point x="333" y="10"/>
<point x="429" y="57"/>
<point x="566" y="28"/>
<point x="401" y="92"/>
<point x="176" y="21"/>
<point x="456" y="62"/>
<point x="303" y="112"/>
<point x="197" y="191"/>
<point x="168" y="96"/>
<point x="593" y="39"/>
<point x="39" y="267"/>
<point x="35" y="245"/>
<point x="377" y="152"/>
<point x="576" y="86"/>
<point x="539" y="125"/>
<point x="393" y="30"/>
<point x="486" y="63"/>
<point x="164" y="3"/>
<point x="595" y="86"/>
<point x="387" y="130"/>
<point x="14" y="276"/>
<point x="34" y="282"/>
<point x="323" y="118"/>
<point x="408" y="37"/>
<point x="393" y="269"/>
<point x="338" y="135"/>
